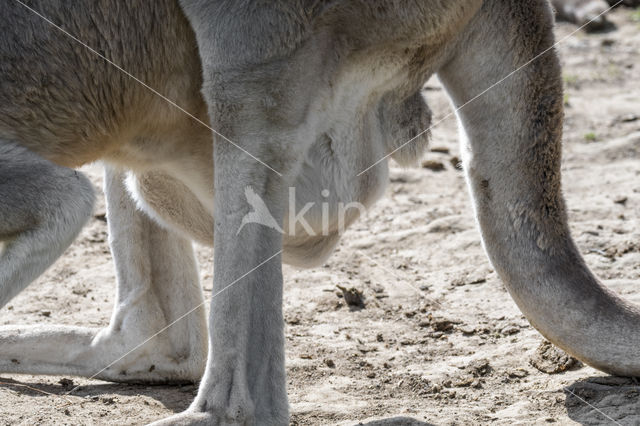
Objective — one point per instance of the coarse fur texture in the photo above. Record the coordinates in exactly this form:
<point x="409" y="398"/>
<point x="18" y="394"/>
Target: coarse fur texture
<point x="317" y="91"/>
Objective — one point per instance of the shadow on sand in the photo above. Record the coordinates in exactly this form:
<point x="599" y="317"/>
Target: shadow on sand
<point x="174" y="397"/>
<point x="604" y="400"/>
<point x="396" y="421"/>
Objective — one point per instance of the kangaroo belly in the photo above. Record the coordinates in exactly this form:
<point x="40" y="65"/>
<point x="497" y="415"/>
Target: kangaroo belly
<point x="66" y="103"/>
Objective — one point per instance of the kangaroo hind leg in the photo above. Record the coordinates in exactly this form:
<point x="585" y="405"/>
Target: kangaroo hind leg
<point x="43" y="207"/>
<point x="157" y="332"/>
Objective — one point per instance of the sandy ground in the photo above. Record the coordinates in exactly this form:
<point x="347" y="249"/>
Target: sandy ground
<point x="439" y="340"/>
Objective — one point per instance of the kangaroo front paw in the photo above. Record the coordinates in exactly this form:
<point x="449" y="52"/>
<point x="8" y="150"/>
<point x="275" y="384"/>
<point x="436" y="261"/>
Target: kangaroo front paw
<point x="227" y="398"/>
<point x="224" y="397"/>
<point x="232" y="410"/>
<point x="196" y="418"/>
<point x="186" y="418"/>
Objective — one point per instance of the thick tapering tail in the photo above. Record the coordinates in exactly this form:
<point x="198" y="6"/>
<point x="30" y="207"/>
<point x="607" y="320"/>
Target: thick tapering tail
<point x="512" y="151"/>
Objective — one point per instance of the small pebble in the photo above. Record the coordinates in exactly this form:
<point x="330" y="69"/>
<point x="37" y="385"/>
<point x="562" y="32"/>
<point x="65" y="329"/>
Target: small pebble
<point x="434" y="166"/>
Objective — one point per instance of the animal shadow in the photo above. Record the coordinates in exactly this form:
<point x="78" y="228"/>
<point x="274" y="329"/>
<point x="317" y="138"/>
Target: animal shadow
<point x="174" y="397"/>
<point x="604" y="400"/>
<point x="396" y="421"/>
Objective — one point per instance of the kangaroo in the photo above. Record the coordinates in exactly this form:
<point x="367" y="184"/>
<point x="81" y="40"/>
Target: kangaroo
<point x="588" y="12"/>
<point x="202" y="102"/>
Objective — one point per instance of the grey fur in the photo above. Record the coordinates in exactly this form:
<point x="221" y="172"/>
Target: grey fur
<point x="43" y="208"/>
